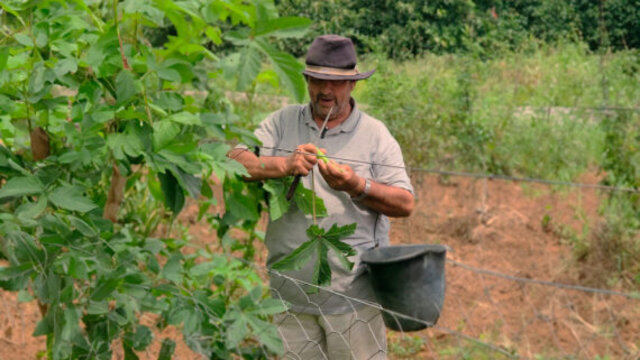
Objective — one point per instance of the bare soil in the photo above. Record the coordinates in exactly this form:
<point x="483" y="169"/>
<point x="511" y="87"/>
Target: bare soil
<point x="523" y="231"/>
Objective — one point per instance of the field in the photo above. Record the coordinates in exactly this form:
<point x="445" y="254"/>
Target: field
<point x="124" y="226"/>
<point x="490" y="225"/>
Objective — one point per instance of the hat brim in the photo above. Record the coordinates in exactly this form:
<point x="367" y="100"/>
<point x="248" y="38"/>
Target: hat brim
<point x="324" y="76"/>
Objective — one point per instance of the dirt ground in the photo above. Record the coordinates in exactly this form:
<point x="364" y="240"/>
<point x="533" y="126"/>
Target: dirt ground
<point x="522" y="231"/>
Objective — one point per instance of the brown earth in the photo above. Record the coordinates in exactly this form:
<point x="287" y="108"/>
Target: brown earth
<point x="520" y="230"/>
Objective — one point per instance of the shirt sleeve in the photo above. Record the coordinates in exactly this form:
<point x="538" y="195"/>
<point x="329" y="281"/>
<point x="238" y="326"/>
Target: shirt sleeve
<point x="268" y="132"/>
<point x="388" y="163"/>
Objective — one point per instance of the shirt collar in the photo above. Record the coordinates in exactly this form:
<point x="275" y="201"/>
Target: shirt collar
<point x="346" y="126"/>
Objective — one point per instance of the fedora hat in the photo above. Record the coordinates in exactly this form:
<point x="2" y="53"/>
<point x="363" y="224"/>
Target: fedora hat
<point x="333" y="57"/>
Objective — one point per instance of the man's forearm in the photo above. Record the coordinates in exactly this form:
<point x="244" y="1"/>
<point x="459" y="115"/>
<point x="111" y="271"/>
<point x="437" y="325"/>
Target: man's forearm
<point x="389" y="200"/>
<point x="260" y="168"/>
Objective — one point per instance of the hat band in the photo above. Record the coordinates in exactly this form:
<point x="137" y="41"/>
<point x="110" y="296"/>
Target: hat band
<point x="331" y="71"/>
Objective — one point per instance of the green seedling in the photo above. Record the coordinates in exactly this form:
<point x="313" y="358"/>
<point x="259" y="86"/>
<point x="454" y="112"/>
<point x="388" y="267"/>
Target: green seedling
<point x="326" y="160"/>
<point x="323" y="157"/>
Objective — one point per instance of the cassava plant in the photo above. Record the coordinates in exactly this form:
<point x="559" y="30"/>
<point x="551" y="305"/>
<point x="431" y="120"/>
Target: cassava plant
<point x="110" y="117"/>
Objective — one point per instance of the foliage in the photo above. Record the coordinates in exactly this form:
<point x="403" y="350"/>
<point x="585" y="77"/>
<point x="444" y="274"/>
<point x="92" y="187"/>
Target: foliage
<point x="104" y="136"/>
<point x="408" y="28"/>
<point x="320" y="242"/>
<point x="616" y="246"/>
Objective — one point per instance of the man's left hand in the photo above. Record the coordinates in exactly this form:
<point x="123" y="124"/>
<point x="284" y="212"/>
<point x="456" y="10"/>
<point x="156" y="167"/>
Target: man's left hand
<point x="341" y="177"/>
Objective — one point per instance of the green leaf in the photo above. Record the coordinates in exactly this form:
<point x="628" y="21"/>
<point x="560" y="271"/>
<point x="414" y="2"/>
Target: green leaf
<point x="278" y="204"/>
<point x="71" y="327"/>
<point x="214" y="34"/>
<point x="185" y="118"/>
<point x="272" y="306"/>
<point x="170" y="101"/>
<point x="41" y="34"/>
<point x="241" y="206"/>
<point x="248" y="67"/>
<point x="126" y="86"/>
<point x="141" y="338"/>
<point x="84" y="228"/>
<point x="339" y="232"/>
<point x="172" y="192"/>
<point x="4" y="56"/>
<point x="322" y="270"/>
<point x="24" y="39"/>
<point x="78" y="268"/>
<point x="37" y="78"/>
<point x="237" y="331"/>
<point x="167" y="349"/>
<point x="169" y="74"/>
<point x="164" y="132"/>
<point x="65" y="66"/>
<point x="104" y="288"/>
<point x="4" y="5"/>
<point x="284" y="27"/>
<point x="32" y="210"/>
<point x="172" y="269"/>
<point x="267" y="334"/>
<point x="71" y="198"/>
<point x="297" y="258"/>
<point x="288" y="69"/>
<point x="303" y="198"/>
<point x="20" y="186"/>
<point x="97" y="307"/>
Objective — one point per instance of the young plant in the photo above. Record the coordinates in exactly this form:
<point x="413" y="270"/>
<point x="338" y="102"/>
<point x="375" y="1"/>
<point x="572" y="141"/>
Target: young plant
<point x="320" y="240"/>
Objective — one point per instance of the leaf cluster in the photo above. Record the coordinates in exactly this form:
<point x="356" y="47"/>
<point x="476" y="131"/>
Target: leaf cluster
<point x="105" y="134"/>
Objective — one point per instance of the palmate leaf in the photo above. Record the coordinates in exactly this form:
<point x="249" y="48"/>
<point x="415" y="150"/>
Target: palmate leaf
<point x="322" y="269"/>
<point x="289" y="69"/>
<point x="297" y="258"/>
<point x="320" y="242"/>
<point x="248" y="67"/>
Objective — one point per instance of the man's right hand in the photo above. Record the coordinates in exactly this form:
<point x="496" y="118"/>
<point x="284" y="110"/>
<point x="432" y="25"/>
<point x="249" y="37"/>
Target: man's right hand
<point x="302" y="160"/>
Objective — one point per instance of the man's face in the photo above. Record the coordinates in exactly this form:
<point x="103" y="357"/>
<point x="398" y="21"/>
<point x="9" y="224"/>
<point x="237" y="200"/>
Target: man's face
<point x="325" y="94"/>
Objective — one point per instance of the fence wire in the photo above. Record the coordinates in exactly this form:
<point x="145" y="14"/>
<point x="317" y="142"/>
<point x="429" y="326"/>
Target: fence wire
<point x="472" y="175"/>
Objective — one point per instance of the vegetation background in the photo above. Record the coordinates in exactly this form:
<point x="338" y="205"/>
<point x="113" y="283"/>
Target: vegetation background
<point x="113" y="113"/>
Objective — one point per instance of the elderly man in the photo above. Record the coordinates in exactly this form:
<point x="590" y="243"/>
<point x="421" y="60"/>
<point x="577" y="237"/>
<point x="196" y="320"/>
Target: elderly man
<point x="369" y="185"/>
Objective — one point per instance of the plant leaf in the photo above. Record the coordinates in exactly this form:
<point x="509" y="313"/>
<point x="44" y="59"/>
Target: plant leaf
<point x="278" y="204"/>
<point x="20" y="186"/>
<point x="126" y="86"/>
<point x="297" y="258"/>
<point x="284" y="27"/>
<point x="289" y="70"/>
<point x="173" y="193"/>
<point x="71" y="198"/>
<point x="167" y="349"/>
<point x="248" y="67"/>
<point x="322" y="269"/>
<point x="303" y="198"/>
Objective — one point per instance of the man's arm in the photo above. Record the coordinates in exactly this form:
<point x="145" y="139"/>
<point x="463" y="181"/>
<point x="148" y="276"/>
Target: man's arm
<point x="389" y="200"/>
<point x="300" y="162"/>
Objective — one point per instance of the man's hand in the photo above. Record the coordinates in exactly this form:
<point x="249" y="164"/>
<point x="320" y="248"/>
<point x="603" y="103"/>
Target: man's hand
<point x="389" y="200"/>
<point x="341" y="177"/>
<point x="301" y="161"/>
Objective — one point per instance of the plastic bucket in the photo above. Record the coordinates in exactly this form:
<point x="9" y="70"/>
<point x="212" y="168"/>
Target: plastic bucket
<point x="409" y="282"/>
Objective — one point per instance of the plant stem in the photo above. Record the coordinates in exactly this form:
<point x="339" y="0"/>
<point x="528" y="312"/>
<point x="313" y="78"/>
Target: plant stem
<point x="313" y="198"/>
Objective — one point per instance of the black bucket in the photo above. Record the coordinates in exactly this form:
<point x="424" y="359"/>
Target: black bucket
<point x="408" y="280"/>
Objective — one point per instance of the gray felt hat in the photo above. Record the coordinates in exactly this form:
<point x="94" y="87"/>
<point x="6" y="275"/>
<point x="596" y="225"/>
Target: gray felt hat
<point x="333" y="57"/>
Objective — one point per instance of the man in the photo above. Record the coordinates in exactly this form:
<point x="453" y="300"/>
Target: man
<point x="369" y="185"/>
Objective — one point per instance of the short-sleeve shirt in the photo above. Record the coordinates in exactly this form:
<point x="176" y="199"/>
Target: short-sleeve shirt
<point x="365" y="144"/>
